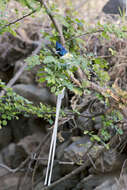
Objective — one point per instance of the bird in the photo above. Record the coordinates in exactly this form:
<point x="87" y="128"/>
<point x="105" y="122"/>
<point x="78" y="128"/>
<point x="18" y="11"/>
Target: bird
<point x="60" y="50"/>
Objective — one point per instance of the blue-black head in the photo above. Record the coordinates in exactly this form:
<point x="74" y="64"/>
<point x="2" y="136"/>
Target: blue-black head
<point x="60" y="49"/>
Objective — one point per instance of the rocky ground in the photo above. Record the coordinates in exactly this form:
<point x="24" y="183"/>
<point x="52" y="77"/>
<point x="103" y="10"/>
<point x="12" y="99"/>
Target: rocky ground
<point x="24" y="143"/>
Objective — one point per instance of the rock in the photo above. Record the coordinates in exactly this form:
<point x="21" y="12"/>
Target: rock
<point x="26" y="126"/>
<point x="28" y="76"/>
<point x="85" y="123"/>
<point x="109" y="184"/>
<point x="112" y="7"/>
<point x="108" y="161"/>
<point x="66" y="185"/>
<point x="30" y="143"/>
<point x="20" y="128"/>
<point x="10" y="182"/>
<point x="76" y="151"/>
<point x="35" y="94"/>
<point x="13" y="155"/>
<point x="94" y="182"/>
<point x="12" y="49"/>
<point x="60" y="148"/>
<point x="5" y="136"/>
<point x="98" y="123"/>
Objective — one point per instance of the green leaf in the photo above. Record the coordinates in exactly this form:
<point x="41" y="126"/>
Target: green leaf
<point x="97" y="138"/>
<point x="86" y="132"/>
<point x="4" y="122"/>
<point x="4" y="116"/>
<point x="77" y="91"/>
<point x="49" y="59"/>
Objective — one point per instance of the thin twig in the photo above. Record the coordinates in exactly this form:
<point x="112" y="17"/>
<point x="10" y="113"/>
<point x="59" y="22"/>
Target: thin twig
<point x="17" y="20"/>
<point x="38" y="152"/>
<point x="35" y="153"/>
<point x="88" y="33"/>
<point x="56" y="24"/>
<point x="16" y="169"/>
<point x="9" y="169"/>
<point x="84" y="34"/>
<point x="92" y="162"/>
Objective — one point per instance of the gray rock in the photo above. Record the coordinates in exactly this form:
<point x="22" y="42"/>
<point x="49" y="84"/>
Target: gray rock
<point x="5" y="136"/>
<point x="108" y="161"/>
<point x="109" y="184"/>
<point x="26" y="127"/>
<point x="94" y="182"/>
<point x="85" y="123"/>
<point x="76" y="151"/>
<point x="12" y="49"/>
<point x="112" y="7"/>
<point x="35" y="94"/>
<point x="60" y="148"/>
<point x="28" y="76"/>
<point x="13" y="155"/>
<point x="98" y="123"/>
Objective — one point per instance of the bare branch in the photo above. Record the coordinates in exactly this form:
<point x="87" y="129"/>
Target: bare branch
<point x="56" y="24"/>
<point x="17" y="20"/>
<point x="76" y="171"/>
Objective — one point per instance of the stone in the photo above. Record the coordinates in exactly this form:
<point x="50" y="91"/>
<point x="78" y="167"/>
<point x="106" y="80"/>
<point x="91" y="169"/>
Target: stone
<point x="35" y="94"/>
<point x="94" y="182"/>
<point x="108" y="161"/>
<point x="13" y="155"/>
<point x="85" y="123"/>
<point x="75" y="152"/>
<point x="5" y="136"/>
<point x="12" y="49"/>
<point x="112" y="7"/>
<point x="109" y="184"/>
<point x="98" y="123"/>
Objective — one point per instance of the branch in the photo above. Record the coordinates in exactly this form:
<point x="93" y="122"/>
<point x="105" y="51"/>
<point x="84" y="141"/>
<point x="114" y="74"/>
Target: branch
<point x="117" y="99"/>
<point x="84" y="34"/>
<point x="56" y="24"/>
<point x="17" y="20"/>
<point x="88" y="33"/>
<point x="76" y="171"/>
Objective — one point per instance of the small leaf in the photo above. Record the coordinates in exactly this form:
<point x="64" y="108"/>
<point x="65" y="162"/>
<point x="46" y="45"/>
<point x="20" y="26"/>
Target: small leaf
<point x="4" y="122"/>
<point x="86" y="132"/>
<point x="4" y="116"/>
<point x="97" y="138"/>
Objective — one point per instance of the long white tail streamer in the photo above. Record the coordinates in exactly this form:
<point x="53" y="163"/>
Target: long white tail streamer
<point x="53" y="141"/>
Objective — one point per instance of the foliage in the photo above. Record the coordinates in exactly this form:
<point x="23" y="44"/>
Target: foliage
<point x="58" y="72"/>
<point x="12" y="105"/>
